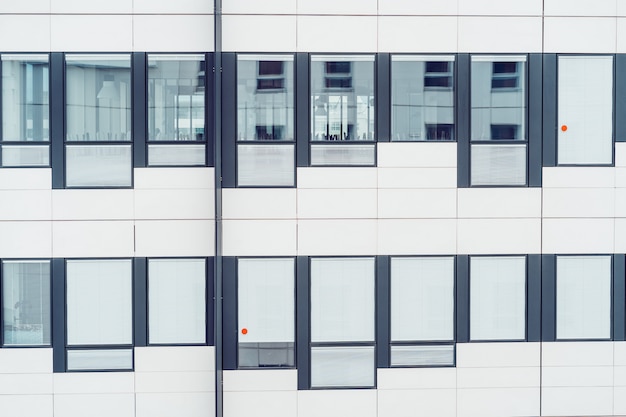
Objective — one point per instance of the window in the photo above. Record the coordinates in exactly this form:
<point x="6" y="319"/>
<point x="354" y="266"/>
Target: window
<point x="26" y="303"/>
<point x="176" y="301"/>
<point x="497" y="298"/>
<point x="265" y="120"/>
<point x="422" y="311"/>
<point x="585" y="110"/>
<point x="98" y="121"/>
<point x="422" y="98"/>
<point x="499" y="144"/>
<point x="25" y="134"/>
<point x="342" y="110"/>
<point x="583" y="297"/>
<point x="343" y="322"/>
<point x="176" y="111"/>
<point x="266" y="312"/>
<point x="99" y="314"/>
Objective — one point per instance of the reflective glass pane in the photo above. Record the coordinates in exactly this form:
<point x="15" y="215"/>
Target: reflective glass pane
<point x="99" y="359"/>
<point x="19" y="156"/>
<point x="425" y="355"/>
<point x="498" y="164"/>
<point x="583" y="297"/>
<point x="265" y="97"/>
<point x="422" y="98"/>
<point x="265" y="165"/>
<point x="177" y="301"/>
<point x="345" y="366"/>
<point x="176" y="85"/>
<point x="25" y="98"/>
<point x="177" y="155"/>
<point x="343" y="155"/>
<point x="98" y="97"/>
<point x="342" y="97"/>
<point x="99" y="302"/>
<point x="498" y="103"/>
<point x="26" y="301"/>
<point x="100" y="166"/>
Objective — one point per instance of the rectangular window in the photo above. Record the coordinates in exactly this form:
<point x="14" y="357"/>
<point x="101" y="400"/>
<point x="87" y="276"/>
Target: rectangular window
<point x="343" y="310"/>
<point x="265" y="120"/>
<point x="585" y="110"/>
<point x="176" y="301"/>
<point x="498" y="121"/>
<point x="422" y="97"/>
<point x="98" y="120"/>
<point x="266" y="312"/>
<point x="342" y="108"/>
<point x="497" y="298"/>
<point x="25" y="95"/>
<point x="422" y="311"/>
<point x="26" y="303"/>
<point x="583" y="297"/>
<point x="176" y="110"/>
<point x="99" y="313"/>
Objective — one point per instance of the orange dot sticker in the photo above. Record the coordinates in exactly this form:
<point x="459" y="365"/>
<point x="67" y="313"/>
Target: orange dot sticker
<point x="244" y="331"/>
<point x="564" y="128"/>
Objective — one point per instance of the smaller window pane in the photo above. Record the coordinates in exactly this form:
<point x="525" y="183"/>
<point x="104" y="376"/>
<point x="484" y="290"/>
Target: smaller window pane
<point x="345" y="366"/>
<point x="266" y="354"/>
<point x="100" y="359"/>
<point x="343" y="155"/>
<point x="583" y="297"/>
<point x="425" y="355"/>
<point x="18" y="156"/>
<point x="265" y="165"/>
<point x="26" y="301"/>
<point x="176" y="155"/>
<point x="498" y="164"/>
<point x="498" y="298"/>
<point x="98" y="166"/>
<point x="177" y="301"/>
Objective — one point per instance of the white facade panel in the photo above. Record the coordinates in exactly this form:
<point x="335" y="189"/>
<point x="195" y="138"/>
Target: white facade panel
<point x="25" y="239"/>
<point x="620" y="178"/>
<point x="91" y="7"/>
<point x="340" y="7"/>
<point x="619" y="353"/>
<point x="578" y="177"/>
<point x="99" y="405"/>
<point x="94" y="383"/>
<point x="399" y="33"/>
<point x="173" y="7"/>
<point x="417" y="236"/>
<point x="499" y="202"/>
<point x="572" y="34"/>
<point x="577" y="354"/>
<point x="25" y="205"/>
<point x="620" y="149"/>
<point x="25" y="384"/>
<point x="496" y="355"/>
<point x="505" y="7"/>
<point x="27" y="405"/>
<point x="26" y="361"/>
<point x="32" y="6"/>
<point x="620" y="235"/>
<point x="336" y="237"/>
<point x="174" y="238"/>
<point x="320" y="34"/>
<point x="497" y="402"/>
<point x="411" y="403"/>
<point x="174" y="358"/>
<point x="262" y="404"/>
<point x="175" y="381"/>
<point x="621" y="33"/>
<point x="500" y="34"/>
<point x="257" y="7"/>
<point x="174" y="204"/>
<point x="515" y="377"/>
<point x="417" y="203"/>
<point x="337" y="204"/>
<point x="499" y="236"/>
<point x="24" y="33"/>
<point x="417" y="178"/>
<point x="578" y="202"/>
<point x="88" y="33"/>
<point x="619" y="398"/>
<point x="337" y="403"/>
<point x="92" y="239"/>
<point x="194" y="33"/>
<point x="580" y="401"/>
<point x="25" y="179"/>
<point x="417" y="155"/>
<point x="263" y="33"/>
<point x="196" y="404"/>
<point x="581" y="235"/>
<point x="253" y="203"/>
<point x="92" y="204"/>
<point x="416" y="378"/>
<point x="580" y="376"/>
<point x="580" y="8"/>
<point x="322" y="177"/>
<point x="261" y="380"/>
<point x="259" y="237"/>
<point x="619" y="376"/>
<point x="174" y="178"/>
<point x="409" y="8"/>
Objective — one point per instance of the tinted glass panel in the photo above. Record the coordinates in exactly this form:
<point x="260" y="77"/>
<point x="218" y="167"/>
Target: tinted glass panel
<point x="342" y="366"/>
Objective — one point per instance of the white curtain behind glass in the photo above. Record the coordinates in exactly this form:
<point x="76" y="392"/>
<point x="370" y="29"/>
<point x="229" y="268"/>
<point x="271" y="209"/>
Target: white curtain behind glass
<point x="583" y="297"/>
<point x="99" y="302"/>
<point x="342" y="299"/>
<point x="266" y="300"/>
<point x="176" y="300"/>
<point x="498" y="298"/>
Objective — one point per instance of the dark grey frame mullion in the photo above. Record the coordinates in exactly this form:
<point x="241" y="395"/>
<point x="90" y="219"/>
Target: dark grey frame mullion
<point x="139" y="110"/>
<point x="210" y="301"/>
<point x="463" y="112"/>
<point x="1" y="261"/>
<point x="383" y="312"/>
<point x="549" y="110"/>
<point x="209" y="108"/>
<point x="548" y="298"/>
<point x="533" y="298"/>
<point x="619" y="109"/>
<point x="461" y="285"/>
<point x="57" y="119"/>
<point x="303" y="321"/>
<point x="229" y="312"/>
<point x="303" y="115"/>
<point x="619" y="297"/>
<point x="140" y="304"/>
<point x="57" y="270"/>
<point x="382" y="81"/>
<point x="534" y="114"/>
<point x="229" y="122"/>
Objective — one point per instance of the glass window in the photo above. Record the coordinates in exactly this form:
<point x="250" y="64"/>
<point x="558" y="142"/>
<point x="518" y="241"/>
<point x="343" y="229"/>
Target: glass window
<point x="422" y="310"/>
<point x="422" y="98"/>
<point x="25" y="110"/>
<point x="498" y="120"/>
<point x="342" y="322"/>
<point x="266" y="165"/>
<point x="583" y="297"/>
<point x="266" y="312"/>
<point x="176" y="301"/>
<point x="498" y="298"/>
<point x="98" y="165"/>
<point x="26" y="303"/>
<point x="342" y="106"/>
<point x="585" y="110"/>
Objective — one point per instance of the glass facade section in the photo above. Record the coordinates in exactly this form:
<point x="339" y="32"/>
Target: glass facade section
<point x="422" y="98"/>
